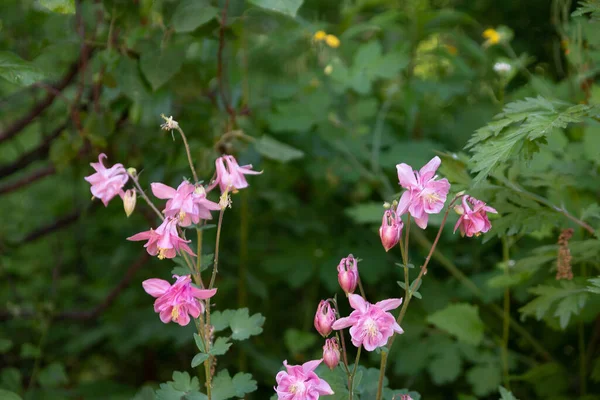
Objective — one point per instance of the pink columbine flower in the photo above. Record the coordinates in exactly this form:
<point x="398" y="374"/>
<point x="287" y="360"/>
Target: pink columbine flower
<point x="164" y="241"/>
<point x="324" y="318"/>
<point x="425" y="194"/>
<point x="188" y="203"/>
<point x="107" y="182"/>
<point x="230" y="175"/>
<point x="178" y="301"/>
<point x="331" y="353"/>
<point x="371" y="324"/>
<point x="390" y="230"/>
<point x="473" y="222"/>
<point x="299" y="382"/>
<point x="348" y="274"/>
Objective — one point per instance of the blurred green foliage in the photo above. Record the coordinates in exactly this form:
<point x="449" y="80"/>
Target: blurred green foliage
<point x="327" y="124"/>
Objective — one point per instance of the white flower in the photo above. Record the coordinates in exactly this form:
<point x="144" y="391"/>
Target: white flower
<point x="169" y="124"/>
<point x="502" y="67"/>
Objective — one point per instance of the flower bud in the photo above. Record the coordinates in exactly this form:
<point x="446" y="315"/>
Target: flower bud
<point x="390" y="230"/>
<point x="331" y="353"/>
<point x="324" y="318"/>
<point x="129" y="201"/>
<point x="132" y="171"/>
<point x="348" y="274"/>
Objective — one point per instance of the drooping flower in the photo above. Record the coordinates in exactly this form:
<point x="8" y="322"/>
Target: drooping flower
<point x="390" y="230"/>
<point x="324" y="318"/>
<point x="178" y="301"/>
<point x="331" y="353"/>
<point x="230" y="175"/>
<point x="188" y="203"/>
<point x="425" y="194"/>
<point x="371" y="324"/>
<point x="299" y="382"/>
<point x="473" y="222"/>
<point x="129" y="200"/>
<point x="164" y="241"/>
<point x="107" y="182"/>
<point x="348" y="274"/>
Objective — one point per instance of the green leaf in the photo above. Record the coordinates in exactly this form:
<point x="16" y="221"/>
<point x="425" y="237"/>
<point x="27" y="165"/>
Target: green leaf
<point x="182" y="387"/>
<point x="276" y="150"/>
<point x="191" y="14"/>
<point x="181" y="271"/>
<point x="159" y="66"/>
<point x="199" y="359"/>
<point x="53" y="375"/>
<point x="243" y="326"/>
<point x="506" y="395"/>
<point x="182" y="381"/>
<point x="18" y="71"/>
<point x="28" y="350"/>
<point x="588" y="7"/>
<point x="220" y="346"/>
<point x="224" y="387"/>
<point x="568" y="299"/>
<point x="366" y="213"/>
<point x="199" y="343"/>
<point x="5" y="345"/>
<point x="59" y="6"/>
<point x="593" y="288"/>
<point x="484" y="379"/>
<point x="6" y="395"/>
<point x="220" y="319"/>
<point x="297" y="341"/>
<point x="10" y="378"/>
<point x="460" y="320"/>
<point x="287" y="7"/>
<point x="445" y="366"/>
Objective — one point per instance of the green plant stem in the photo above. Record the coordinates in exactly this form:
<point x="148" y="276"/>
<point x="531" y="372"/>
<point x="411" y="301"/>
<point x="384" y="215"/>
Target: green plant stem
<point x="189" y="155"/>
<point x="351" y="377"/>
<point x="377" y="132"/>
<point x="217" y="245"/>
<point x="506" y="315"/>
<point x="342" y="341"/>
<point x="360" y="288"/>
<point x="462" y="278"/>
<point x="202" y="332"/>
<point x="134" y="178"/>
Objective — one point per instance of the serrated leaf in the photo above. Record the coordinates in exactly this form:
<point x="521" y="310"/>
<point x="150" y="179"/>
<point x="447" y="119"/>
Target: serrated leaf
<point x="59" y="6"/>
<point x="243" y="326"/>
<point x="594" y="286"/>
<point x="445" y="366"/>
<point x="460" y="320"/>
<point x="297" y="341"/>
<point x="287" y="7"/>
<point x="182" y="387"/>
<point x="199" y="343"/>
<point x="276" y="150"/>
<point x="568" y="299"/>
<point x="225" y="387"/>
<point x="220" y="319"/>
<point x="220" y="346"/>
<point x="191" y="14"/>
<point x="506" y="395"/>
<point x="199" y="359"/>
<point x="159" y="66"/>
<point x="18" y="71"/>
<point x="484" y="379"/>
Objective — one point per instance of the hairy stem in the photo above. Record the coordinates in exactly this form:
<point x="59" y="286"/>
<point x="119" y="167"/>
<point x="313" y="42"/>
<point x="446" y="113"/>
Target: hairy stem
<point x="189" y="154"/>
<point x="134" y="178"/>
<point x="506" y="315"/>
<point x="351" y="377"/>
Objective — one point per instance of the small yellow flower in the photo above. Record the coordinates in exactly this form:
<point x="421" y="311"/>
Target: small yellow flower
<point x="328" y="69"/>
<point x="332" y="41"/>
<point x="319" y="35"/>
<point x="492" y="36"/>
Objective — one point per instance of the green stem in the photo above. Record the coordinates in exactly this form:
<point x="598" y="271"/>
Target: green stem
<point x="505" y="315"/>
<point x="189" y="155"/>
<point x="134" y="178"/>
<point x="582" y="360"/>
<point x="351" y="377"/>
<point x="342" y="341"/>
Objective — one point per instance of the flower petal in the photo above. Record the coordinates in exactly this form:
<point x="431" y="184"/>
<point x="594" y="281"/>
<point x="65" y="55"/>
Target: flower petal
<point x="342" y="323"/>
<point x="429" y="169"/>
<point x="310" y="366"/>
<point x="163" y="191"/>
<point x="358" y="303"/>
<point x="406" y="176"/>
<point x="156" y="287"/>
<point x="323" y="387"/>
<point x="389" y="304"/>
<point x="203" y="293"/>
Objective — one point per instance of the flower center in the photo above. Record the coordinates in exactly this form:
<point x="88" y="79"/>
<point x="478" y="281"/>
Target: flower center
<point x="371" y="328"/>
<point x="182" y="215"/>
<point x="161" y="253"/>
<point x="432" y="198"/>
<point x="297" y="387"/>
<point x="175" y="313"/>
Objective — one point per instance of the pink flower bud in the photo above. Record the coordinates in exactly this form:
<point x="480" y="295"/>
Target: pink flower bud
<point x="331" y="353"/>
<point x="348" y="274"/>
<point x="324" y="318"/>
<point x="390" y="230"/>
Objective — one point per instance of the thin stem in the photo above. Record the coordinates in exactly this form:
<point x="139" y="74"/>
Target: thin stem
<point x="582" y="360"/>
<point x="218" y="241"/>
<point x="341" y="335"/>
<point x="377" y="132"/>
<point x="360" y="288"/>
<point x="141" y="192"/>
<point x="189" y="155"/>
<point x="506" y="315"/>
<point x="203" y="332"/>
<point x="351" y="377"/>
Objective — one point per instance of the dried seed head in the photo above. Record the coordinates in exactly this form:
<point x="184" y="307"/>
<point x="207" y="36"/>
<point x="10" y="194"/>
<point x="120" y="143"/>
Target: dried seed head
<point x="563" y="262"/>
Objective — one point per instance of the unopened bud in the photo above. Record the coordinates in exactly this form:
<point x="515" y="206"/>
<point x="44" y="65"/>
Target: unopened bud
<point x="390" y="230"/>
<point x="348" y="274"/>
<point x="324" y="318"/>
<point x="129" y="200"/>
<point x="132" y="171"/>
<point x="199" y="190"/>
<point x="331" y="353"/>
<point x="387" y="205"/>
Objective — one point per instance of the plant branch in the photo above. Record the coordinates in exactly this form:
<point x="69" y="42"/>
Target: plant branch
<point x="189" y="155"/>
<point x="26" y="180"/>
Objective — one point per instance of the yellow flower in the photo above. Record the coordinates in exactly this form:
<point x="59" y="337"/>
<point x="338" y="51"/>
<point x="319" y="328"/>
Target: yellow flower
<point x="332" y="41"/>
<point x="328" y="70"/>
<point x="319" y="35"/>
<point x="492" y="36"/>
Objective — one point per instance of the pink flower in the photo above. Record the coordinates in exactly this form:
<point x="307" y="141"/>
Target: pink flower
<point x="164" y="241"/>
<point x="300" y="382"/>
<point x="230" y="175"/>
<point x="475" y="221"/>
<point x="324" y="318"/>
<point x="331" y="353"/>
<point x="424" y="195"/>
<point x="107" y="182"/>
<point x="188" y="202"/>
<point x="390" y="230"/>
<point x="178" y="301"/>
<point x="371" y="324"/>
<point x="348" y="274"/>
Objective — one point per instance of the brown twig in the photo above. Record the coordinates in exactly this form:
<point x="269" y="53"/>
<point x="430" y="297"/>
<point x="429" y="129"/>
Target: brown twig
<point x="36" y="154"/>
<point x="26" y="180"/>
<point x="228" y="107"/>
<point x="50" y="228"/>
